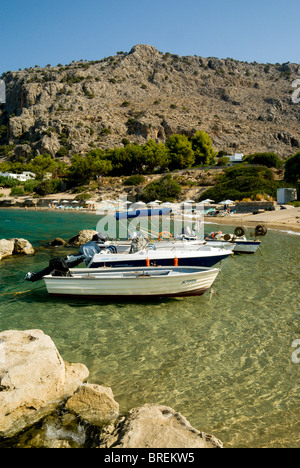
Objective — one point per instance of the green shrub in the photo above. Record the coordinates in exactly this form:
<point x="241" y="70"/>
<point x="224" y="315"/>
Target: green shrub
<point x="16" y="191"/>
<point x="83" y="197"/>
<point x="7" y="182"/>
<point x="265" y="159"/>
<point x="134" y="180"/>
<point x="292" y="169"/>
<point x="164" y="189"/>
<point x="243" y="182"/>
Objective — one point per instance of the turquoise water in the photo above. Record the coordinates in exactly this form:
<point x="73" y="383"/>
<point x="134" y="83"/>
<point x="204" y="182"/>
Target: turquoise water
<point x="224" y="361"/>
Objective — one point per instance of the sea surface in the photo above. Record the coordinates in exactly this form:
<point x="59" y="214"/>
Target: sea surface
<point x="224" y="360"/>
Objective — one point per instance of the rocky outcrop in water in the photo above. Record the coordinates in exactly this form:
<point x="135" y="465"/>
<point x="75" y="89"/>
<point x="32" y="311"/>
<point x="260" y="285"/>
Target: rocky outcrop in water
<point x="10" y="247"/>
<point x="33" y="379"/>
<point x="37" y="386"/>
<point x="156" y="426"/>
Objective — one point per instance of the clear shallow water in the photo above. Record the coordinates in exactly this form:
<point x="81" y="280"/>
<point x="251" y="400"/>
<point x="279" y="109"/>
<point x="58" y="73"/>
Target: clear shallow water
<point x="223" y="361"/>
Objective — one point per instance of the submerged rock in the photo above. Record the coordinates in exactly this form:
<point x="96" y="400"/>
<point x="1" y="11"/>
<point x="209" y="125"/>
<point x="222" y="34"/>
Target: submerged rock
<point x="154" y="426"/>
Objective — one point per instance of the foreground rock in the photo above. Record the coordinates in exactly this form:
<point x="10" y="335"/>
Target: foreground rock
<point x="94" y="403"/>
<point x="152" y="426"/>
<point x="33" y="379"/>
<point x="10" y="247"/>
<point x="36" y="385"/>
<point x="82" y="237"/>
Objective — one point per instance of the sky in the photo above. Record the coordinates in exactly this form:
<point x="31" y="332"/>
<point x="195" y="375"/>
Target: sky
<point x="41" y="32"/>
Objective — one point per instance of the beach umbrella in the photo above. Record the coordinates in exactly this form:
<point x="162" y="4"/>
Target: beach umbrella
<point x="74" y="201"/>
<point x="140" y="203"/>
<point x="157" y="201"/>
<point x="208" y="200"/>
<point x="65" y="201"/>
<point x="190" y="201"/>
<point x="226" y="202"/>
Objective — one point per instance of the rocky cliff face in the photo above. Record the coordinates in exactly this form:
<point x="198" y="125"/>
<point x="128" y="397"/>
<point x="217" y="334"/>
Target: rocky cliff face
<point x="146" y="94"/>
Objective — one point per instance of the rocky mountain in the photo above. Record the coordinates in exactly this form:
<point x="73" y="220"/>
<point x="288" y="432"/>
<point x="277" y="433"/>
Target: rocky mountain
<point x="143" y="94"/>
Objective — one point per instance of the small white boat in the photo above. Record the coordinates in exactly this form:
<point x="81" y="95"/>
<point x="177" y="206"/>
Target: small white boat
<point x="242" y="244"/>
<point x="132" y="283"/>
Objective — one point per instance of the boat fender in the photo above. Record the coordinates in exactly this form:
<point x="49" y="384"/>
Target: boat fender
<point x="260" y="230"/>
<point x="147" y="262"/>
<point x="227" y="237"/>
<point x="175" y="261"/>
<point x="239" y="231"/>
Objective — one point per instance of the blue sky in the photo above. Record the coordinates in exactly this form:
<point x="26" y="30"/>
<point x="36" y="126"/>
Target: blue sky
<point x="41" y="32"/>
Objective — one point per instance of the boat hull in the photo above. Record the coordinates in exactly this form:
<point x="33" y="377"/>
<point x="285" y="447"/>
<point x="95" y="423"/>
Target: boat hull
<point x="142" y="283"/>
<point x="203" y="257"/>
<point x="241" y="246"/>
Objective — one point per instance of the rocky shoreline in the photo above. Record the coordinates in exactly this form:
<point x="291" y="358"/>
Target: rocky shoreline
<point x="9" y="247"/>
<point x="47" y="403"/>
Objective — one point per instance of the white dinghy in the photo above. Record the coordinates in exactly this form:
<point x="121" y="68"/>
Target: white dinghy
<point x="140" y="282"/>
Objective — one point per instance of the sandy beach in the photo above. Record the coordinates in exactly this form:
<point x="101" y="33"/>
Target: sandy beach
<point x="282" y="219"/>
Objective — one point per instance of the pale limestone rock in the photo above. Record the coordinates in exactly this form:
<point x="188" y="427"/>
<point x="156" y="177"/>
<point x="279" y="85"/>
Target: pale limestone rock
<point x="83" y="237"/>
<point x="22" y="246"/>
<point x="33" y="379"/>
<point x="94" y="403"/>
<point x="6" y="247"/>
<point x="154" y="426"/>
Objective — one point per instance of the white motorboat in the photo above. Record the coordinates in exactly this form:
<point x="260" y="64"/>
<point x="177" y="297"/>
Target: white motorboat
<point x="132" y="283"/>
<point x="202" y="255"/>
<point x="93" y="257"/>
<point x="242" y="244"/>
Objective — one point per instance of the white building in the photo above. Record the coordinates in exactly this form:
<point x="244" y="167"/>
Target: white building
<point x="21" y="177"/>
<point x="237" y="158"/>
<point x="286" y="195"/>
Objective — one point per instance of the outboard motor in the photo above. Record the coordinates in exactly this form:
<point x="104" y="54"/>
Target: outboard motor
<point x="57" y="267"/>
<point x="100" y="238"/>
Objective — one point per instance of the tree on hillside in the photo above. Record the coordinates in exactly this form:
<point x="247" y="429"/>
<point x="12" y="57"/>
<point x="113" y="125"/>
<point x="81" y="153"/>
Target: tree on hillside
<point x="265" y="159"/>
<point x="89" y="167"/>
<point x="180" y="152"/>
<point x="292" y="169"/>
<point x="156" y="155"/>
<point x="165" y="189"/>
<point x="42" y="164"/>
<point x="203" y="149"/>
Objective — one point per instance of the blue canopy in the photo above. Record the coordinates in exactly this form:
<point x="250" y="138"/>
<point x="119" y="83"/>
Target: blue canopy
<point x="144" y="212"/>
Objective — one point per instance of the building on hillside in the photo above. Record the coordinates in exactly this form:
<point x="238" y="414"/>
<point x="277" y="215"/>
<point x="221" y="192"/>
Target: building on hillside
<point x="20" y="177"/>
<point x="237" y="158"/>
<point x="286" y="195"/>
